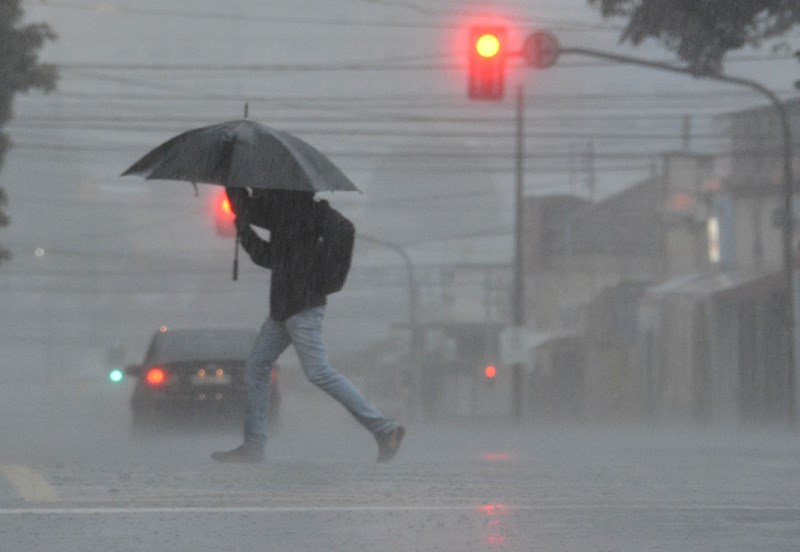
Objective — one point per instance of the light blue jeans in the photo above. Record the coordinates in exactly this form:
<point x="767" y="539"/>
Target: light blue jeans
<point x="304" y="331"/>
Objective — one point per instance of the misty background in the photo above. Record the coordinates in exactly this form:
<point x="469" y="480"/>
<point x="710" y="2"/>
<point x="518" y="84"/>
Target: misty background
<point x="100" y="262"/>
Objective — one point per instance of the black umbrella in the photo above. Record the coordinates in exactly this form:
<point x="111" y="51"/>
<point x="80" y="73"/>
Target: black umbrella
<point x="242" y="154"/>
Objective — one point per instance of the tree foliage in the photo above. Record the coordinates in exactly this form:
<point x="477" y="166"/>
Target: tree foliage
<point x="701" y="32"/>
<point x="20" y="71"/>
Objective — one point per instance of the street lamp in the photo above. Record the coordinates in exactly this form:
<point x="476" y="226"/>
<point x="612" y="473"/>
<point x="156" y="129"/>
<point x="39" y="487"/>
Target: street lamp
<point x="416" y="343"/>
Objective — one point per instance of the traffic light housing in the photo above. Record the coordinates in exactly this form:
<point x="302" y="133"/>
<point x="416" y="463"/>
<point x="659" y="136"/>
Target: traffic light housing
<point x="487" y="60"/>
<point x="223" y="214"/>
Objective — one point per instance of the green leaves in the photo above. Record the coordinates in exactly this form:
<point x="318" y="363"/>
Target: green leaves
<point x="20" y="71"/>
<point x="4" y="220"/>
<point x="702" y="32"/>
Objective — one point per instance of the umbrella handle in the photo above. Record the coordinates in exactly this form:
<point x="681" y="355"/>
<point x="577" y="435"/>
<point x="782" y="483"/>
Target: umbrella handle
<point x="236" y="258"/>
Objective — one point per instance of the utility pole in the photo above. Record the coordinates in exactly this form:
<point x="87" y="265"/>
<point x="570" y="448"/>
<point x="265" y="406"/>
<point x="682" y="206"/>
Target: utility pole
<point x="518" y="296"/>
<point x="687" y="133"/>
<point x="591" y="175"/>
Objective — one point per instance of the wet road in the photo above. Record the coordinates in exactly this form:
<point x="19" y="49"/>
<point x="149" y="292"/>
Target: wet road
<point x="73" y="484"/>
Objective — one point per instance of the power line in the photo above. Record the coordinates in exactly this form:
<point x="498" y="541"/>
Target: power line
<point x="461" y="153"/>
<point x="321" y="21"/>
<point x="539" y="20"/>
<point x="396" y="100"/>
<point x="162" y="120"/>
<point x="419" y="63"/>
<point x="576" y="136"/>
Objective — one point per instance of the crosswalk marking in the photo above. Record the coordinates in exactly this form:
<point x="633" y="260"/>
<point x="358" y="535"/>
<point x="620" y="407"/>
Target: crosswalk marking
<point x="29" y="483"/>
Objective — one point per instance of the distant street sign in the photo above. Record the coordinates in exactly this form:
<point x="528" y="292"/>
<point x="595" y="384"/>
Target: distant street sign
<point x="541" y="49"/>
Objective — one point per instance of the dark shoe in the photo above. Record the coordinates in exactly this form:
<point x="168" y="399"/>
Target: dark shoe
<point x="240" y="455"/>
<point x="389" y="443"/>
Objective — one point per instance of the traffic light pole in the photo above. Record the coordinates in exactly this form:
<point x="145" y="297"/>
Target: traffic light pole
<point x="542" y="50"/>
<point x="518" y="298"/>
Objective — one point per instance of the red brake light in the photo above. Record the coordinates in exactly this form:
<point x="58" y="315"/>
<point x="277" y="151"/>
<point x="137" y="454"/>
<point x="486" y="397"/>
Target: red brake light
<point x="156" y="377"/>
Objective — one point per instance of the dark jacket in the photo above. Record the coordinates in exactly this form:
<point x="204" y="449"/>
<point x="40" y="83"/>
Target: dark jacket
<point x="291" y="219"/>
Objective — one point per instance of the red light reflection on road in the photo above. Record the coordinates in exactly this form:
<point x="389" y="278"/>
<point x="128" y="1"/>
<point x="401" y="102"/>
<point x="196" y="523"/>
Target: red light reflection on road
<point x="492" y="509"/>
<point x="496" y="456"/>
<point x="496" y="526"/>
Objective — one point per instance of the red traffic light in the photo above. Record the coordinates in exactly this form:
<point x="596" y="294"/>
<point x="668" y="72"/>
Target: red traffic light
<point x="490" y="372"/>
<point x="487" y="59"/>
<point x="223" y="215"/>
<point x="487" y="45"/>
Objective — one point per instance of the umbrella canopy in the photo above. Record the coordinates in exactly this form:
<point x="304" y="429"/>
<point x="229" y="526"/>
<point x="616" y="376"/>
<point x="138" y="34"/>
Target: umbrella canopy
<point x="242" y="154"/>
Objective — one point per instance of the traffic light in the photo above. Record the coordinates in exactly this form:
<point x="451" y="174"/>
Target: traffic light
<point x="223" y="215"/>
<point x="487" y="60"/>
<point x="490" y="372"/>
<point x="115" y="357"/>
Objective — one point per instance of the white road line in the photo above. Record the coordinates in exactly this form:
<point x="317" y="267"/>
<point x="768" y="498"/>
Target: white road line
<point x="29" y="483"/>
<point x="506" y="509"/>
<point x="226" y="509"/>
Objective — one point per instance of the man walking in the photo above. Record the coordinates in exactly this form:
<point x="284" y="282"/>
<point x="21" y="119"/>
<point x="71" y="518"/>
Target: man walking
<point x="295" y="255"/>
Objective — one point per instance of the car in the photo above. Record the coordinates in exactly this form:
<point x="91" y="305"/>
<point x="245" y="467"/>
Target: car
<point x="194" y="377"/>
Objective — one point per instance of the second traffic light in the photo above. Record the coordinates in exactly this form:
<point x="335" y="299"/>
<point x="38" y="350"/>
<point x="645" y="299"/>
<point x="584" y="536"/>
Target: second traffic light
<point x="223" y="214"/>
<point x="487" y="59"/>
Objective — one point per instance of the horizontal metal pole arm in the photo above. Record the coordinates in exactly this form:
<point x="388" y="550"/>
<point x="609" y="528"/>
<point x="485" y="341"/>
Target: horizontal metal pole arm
<point x="675" y="69"/>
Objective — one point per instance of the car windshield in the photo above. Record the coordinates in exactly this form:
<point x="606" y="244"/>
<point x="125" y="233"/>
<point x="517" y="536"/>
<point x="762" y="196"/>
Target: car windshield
<point x="182" y="345"/>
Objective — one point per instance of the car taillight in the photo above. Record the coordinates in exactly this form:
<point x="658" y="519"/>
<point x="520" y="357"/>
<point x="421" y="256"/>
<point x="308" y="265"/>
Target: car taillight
<point x="156" y="377"/>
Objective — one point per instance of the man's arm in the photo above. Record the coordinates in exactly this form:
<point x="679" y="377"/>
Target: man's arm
<point x="259" y="250"/>
<point x="246" y="208"/>
<point x="238" y="198"/>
